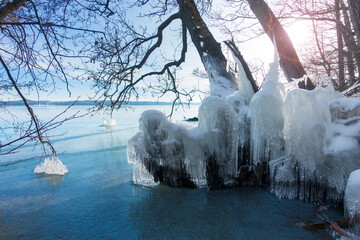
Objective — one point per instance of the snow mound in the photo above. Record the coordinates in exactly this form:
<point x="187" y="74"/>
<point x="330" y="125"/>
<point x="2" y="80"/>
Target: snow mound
<point x="345" y="108"/>
<point x="51" y="166"/>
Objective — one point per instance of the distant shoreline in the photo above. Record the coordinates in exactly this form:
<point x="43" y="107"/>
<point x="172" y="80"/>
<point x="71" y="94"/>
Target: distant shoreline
<point x="79" y="103"/>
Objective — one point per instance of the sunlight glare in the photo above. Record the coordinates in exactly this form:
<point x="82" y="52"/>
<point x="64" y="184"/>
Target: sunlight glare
<point x="299" y="33"/>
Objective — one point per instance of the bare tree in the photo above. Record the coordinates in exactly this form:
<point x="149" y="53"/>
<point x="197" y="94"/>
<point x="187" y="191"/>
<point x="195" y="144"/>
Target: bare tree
<point x="289" y="60"/>
<point x="126" y="54"/>
<point x="335" y="52"/>
<point x="40" y="40"/>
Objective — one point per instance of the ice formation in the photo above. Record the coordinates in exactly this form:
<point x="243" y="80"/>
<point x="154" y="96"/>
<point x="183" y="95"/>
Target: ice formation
<point x="158" y="148"/>
<point x="304" y="143"/>
<point x="267" y="122"/>
<point x="320" y="155"/>
<point x="51" y="166"/>
<point x="221" y="84"/>
<point x="218" y="123"/>
<point x="203" y="156"/>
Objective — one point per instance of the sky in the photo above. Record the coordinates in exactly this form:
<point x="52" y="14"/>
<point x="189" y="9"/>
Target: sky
<point x="259" y="48"/>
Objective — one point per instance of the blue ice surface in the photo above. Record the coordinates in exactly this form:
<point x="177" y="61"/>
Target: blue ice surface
<point x="97" y="200"/>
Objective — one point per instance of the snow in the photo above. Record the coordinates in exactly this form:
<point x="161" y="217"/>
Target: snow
<point x="51" y="166"/>
<point x="345" y="108"/>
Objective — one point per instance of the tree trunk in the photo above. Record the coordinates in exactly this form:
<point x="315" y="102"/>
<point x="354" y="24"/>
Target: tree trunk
<point x="354" y="7"/>
<point x="237" y="54"/>
<point x="350" y="44"/>
<point x="289" y="60"/>
<point x="10" y="7"/>
<point x="222" y="83"/>
<point x="341" y="66"/>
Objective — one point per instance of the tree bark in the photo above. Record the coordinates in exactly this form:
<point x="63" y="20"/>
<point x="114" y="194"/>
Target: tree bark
<point x="236" y="52"/>
<point x="289" y="60"/>
<point x="10" y="7"/>
<point x="350" y="44"/>
<point x="222" y="82"/>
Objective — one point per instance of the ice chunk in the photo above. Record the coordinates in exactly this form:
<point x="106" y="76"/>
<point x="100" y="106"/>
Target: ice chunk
<point x="109" y="123"/>
<point x="174" y="155"/>
<point x="352" y="194"/>
<point x="51" y="166"/>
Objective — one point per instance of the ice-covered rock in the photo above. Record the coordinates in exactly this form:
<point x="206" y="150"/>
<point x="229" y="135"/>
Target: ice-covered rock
<point x="51" y="166"/>
<point x="306" y="143"/>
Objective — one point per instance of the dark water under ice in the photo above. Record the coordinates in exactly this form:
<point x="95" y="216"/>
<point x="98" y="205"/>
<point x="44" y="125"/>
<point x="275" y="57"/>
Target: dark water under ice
<point x="97" y="200"/>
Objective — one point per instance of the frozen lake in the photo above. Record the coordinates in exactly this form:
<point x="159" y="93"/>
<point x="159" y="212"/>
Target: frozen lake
<point x="97" y="200"/>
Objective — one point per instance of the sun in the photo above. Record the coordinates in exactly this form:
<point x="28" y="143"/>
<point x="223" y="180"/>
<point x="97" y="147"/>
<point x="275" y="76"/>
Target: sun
<point x="299" y="33"/>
